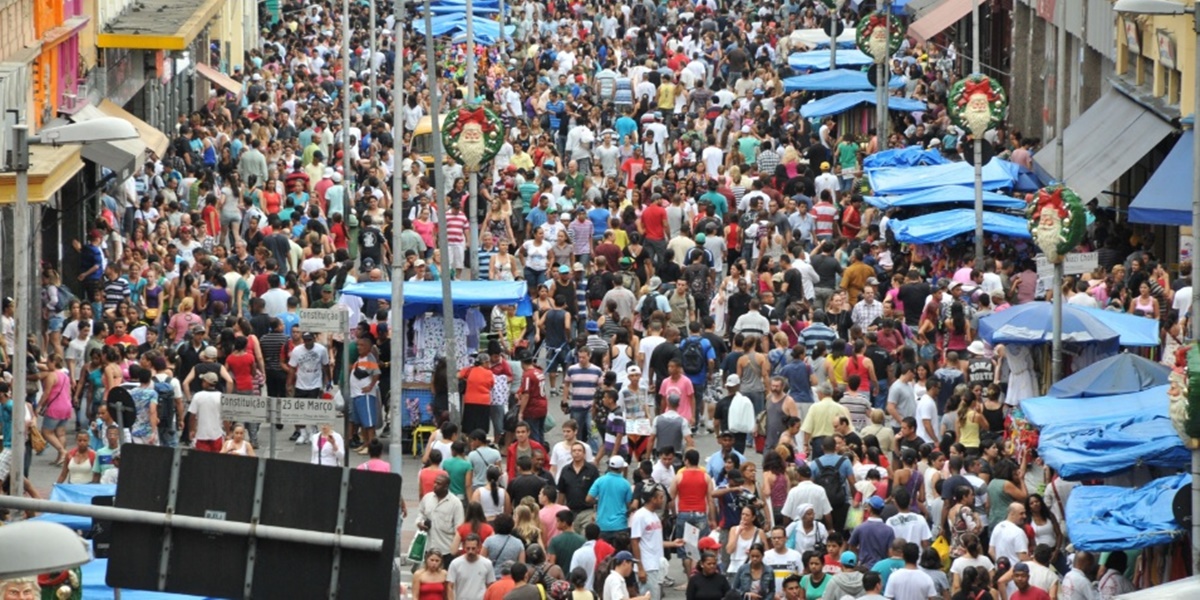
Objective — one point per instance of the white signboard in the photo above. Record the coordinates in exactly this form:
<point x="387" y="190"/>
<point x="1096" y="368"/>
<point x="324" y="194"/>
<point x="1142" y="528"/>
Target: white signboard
<point x="244" y="408"/>
<point x="323" y="320"/>
<point x="286" y="411"/>
<point x="1073" y="264"/>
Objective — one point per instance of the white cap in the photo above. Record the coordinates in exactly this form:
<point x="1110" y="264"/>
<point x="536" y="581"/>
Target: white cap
<point x="633" y="370"/>
<point x="617" y="462"/>
<point x="733" y="381"/>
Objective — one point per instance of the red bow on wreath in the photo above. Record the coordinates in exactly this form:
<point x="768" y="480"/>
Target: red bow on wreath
<point x="978" y="86"/>
<point x="1053" y="200"/>
<point x="471" y="116"/>
<point x="878" y="19"/>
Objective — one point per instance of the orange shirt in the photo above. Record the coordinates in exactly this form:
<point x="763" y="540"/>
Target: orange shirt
<point x="425" y="480"/>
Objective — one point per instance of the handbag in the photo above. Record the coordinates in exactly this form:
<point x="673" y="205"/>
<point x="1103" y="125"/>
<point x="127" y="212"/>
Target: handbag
<point x="943" y="549"/>
<point x="549" y="423"/>
<point x="416" y="550"/>
<point x="36" y="440"/>
<point x="854" y="517"/>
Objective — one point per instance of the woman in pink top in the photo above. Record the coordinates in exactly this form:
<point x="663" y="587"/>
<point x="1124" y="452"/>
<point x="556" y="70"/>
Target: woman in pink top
<point x="55" y="406"/>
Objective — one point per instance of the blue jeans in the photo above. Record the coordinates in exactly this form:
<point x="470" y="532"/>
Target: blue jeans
<point x="880" y="399"/>
<point x="582" y="417"/>
<point x="537" y="429"/>
<point x="698" y="519"/>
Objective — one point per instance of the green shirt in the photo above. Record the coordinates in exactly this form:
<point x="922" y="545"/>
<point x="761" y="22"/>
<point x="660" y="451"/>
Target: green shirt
<point x="563" y="547"/>
<point x="748" y="146"/>
<point x="847" y="155"/>
<point x="886" y="567"/>
<point x="457" y="467"/>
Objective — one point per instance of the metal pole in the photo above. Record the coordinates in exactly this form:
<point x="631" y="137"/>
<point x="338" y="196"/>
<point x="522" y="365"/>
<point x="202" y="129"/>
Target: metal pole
<point x="348" y="171"/>
<point x="21" y="261"/>
<point x="882" y="80"/>
<point x="395" y="314"/>
<point x="1060" y="101"/>
<point x="473" y="176"/>
<point x="833" y="33"/>
<point x="1196" y="296"/>
<point x="503" y="38"/>
<point x="214" y="526"/>
<point x="440" y="197"/>
<point x="371" y="96"/>
<point x="978" y="142"/>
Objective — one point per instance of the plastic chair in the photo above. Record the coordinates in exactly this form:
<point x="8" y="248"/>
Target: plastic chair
<point x="417" y="442"/>
<point x="420" y="416"/>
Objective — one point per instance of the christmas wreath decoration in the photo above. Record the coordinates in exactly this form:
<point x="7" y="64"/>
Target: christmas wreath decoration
<point x="977" y="103"/>
<point x="473" y="135"/>
<point x="62" y="585"/>
<point x="878" y="36"/>
<point x="1056" y="220"/>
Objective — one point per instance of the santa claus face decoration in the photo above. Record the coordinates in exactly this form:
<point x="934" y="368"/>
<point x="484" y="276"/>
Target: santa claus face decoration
<point x="1057" y="221"/>
<point x="473" y="135"/>
<point x="878" y="36"/>
<point x="977" y="103"/>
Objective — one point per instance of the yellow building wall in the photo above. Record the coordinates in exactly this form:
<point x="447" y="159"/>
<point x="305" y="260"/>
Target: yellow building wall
<point x="228" y="28"/>
<point x="1159" y="80"/>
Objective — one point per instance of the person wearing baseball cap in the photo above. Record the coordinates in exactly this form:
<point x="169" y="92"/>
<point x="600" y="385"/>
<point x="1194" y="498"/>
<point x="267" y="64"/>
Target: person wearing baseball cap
<point x="611" y="495"/>
<point x="636" y="402"/>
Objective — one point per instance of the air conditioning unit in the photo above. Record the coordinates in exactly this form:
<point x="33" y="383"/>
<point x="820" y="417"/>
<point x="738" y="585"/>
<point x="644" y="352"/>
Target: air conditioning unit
<point x="73" y="102"/>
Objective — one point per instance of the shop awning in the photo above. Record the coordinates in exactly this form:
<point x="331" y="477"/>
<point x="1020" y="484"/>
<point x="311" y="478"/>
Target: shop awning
<point x="220" y="79"/>
<point x="937" y="19"/>
<point x="1167" y="198"/>
<point x="1089" y="160"/>
<point x="50" y="167"/>
<point x="119" y="156"/>
<point x="159" y="24"/>
<point x="151" y="136"/>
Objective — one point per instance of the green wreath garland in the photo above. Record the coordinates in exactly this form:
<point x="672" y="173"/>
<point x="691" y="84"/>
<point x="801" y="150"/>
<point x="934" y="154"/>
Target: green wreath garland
<point x="1065" y="204"/>
<point x="492" y="130"/>
<point x="960" y="98"/>
<point x="867" y="25"/>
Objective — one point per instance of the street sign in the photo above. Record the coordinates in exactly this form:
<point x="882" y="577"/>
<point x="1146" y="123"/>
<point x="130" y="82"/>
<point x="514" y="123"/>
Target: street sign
<point x="243" y="408"/>
<point x="323" y="320"/>
<point x="1076" y="263"/>
<point x="279" y="411"/>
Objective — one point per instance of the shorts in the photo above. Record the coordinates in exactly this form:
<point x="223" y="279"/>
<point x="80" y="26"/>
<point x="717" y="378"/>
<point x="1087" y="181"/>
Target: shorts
<point x="50" y="423"/>
<point x="457" y="252"/>
<point x="5" y="464"/>
<point x="213" y="446"/>
<point x="55" y="324"/>
<point x="366" y="411"/>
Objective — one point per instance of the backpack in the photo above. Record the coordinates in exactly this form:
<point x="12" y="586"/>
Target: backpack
<point x="602" y="571"/>
<point x="741" y="415"/>
<point x="830" y="478"/>
<point x="649" y="306"/>
<point x="65" y="298"/>
<point x="166" y="400"/>
<point x="692" y="358"/>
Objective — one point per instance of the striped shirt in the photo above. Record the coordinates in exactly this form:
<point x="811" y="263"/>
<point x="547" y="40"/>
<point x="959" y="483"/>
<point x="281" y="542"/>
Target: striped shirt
<point x="816" y="333"/>
<point x="485" y="264"/>
<point x="582" y="383"/>
<point x="456" y="227"/>
<point x="115" y="291"/>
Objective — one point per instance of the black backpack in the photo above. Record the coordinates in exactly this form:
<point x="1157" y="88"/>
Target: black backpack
<point x="649" y="306"/>
<point x="830" y="478"/>
<point x="692" y="357"/>
<point x="602" y="571"/>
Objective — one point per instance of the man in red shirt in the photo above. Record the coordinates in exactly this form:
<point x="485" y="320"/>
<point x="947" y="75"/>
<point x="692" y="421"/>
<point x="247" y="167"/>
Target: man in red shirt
<point x="852" y="218"/>
<point x="653" y="227"/>
<point x="120" y="336"/>
<point x="1025" y="591"/>
<point x="531" y="399"/>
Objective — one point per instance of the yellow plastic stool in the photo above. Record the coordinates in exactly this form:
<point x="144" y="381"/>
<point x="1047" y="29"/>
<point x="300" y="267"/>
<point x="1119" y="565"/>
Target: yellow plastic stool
<point x="418" y="432"/>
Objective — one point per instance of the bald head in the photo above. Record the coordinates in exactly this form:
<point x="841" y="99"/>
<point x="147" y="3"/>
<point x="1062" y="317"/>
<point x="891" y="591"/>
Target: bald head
<point x="1016" y="513"/>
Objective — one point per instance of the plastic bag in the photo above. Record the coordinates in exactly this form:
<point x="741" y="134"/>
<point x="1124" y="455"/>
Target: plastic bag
<point x="416" y="550"/>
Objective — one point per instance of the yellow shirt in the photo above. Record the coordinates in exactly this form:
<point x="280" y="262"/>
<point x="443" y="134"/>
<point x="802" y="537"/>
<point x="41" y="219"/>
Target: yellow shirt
<point x="820" y="418"/>
<point x="968" y="433"/>
<point x="522" y="160"/>
<point x="622" y="238"/>
<point x="666" y="96"/>
<point x="516" y="326"/>
<point x="837" y="370"/>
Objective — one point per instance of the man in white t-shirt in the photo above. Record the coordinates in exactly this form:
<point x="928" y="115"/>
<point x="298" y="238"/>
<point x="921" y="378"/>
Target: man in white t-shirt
<point x="560" y="454"/>
<point x="614" y="585"/>
<point x="910" y="583"/>
<point x="908" y="525"/>
<point x="645" y="533"/>
<point x="781" y="557"/>
<point x="1008" y="537"/>
<point x="927" y="413"/>
<point x="205" y="411"/>
<point x="807" y="492"/>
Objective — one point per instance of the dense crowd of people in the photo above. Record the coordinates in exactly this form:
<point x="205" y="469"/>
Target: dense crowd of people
<point x="700" y="262"/>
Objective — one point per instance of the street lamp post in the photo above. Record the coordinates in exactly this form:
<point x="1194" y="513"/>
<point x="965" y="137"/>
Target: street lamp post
<point x="882" y="80"/>
<point x="396" y="312"/>
<point x="977" y="141"/>
<point x="95" y="130"/>
<point x="473" y="176"/>
<point x="1165" y="7"/>
<point x="1060" y="101"/>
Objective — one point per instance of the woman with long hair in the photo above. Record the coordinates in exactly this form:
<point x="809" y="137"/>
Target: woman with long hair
<point x="429" y="582"/>
<point x="1046" y="528"/>
<point x="970" y="424"/>
<point x="755" y="577"/>
<point x="741" y="537"/>
<point x="474" y="521"/>
<point x="974" y="583"/>
<point x="1006" y="486"/>
<point x="972" y="558"/>
<point x="527" y="526"/>
<point x="55" y="406"/>
<point x="958" y="330"/>
<point x="775" y="483"/>
<point x="493" y="498"/>
<point x="503" y="546"/>
<point x="960" y="520"/>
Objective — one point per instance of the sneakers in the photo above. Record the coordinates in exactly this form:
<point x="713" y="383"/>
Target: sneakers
<point x="362" y="450"/>
<point x="302" y="438"/>
<point x="295" y="436"/>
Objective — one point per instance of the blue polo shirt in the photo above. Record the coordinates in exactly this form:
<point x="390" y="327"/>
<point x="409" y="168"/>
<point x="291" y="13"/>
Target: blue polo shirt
<point x="613" y="495"/>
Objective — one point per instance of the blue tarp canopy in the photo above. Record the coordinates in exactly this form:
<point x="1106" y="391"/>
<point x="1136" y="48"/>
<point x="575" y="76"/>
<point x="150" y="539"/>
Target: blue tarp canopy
<point x="912" y="156"/>
<point x="947" y="194"/>
<point x="818" y="60"/>
<point x="1121" y="374"/>
<point x="75" y="494"/>
<point x="1095" y="437"/>
<point x="461" y="9"/>
<point x="1132" y="330"/>
<point x="1167" y="198"/>
<point x="997" y="174"/>
<point x="837" y="80"/>
<point x="94" y="587"/>
<point x="425" y="296"/>
<point x="487" y="31"/>
<point x="1030" y="323"/>
<point x="1104" y="518"/>
<point x="943" y="225"/>
<point x="840" y="103"/>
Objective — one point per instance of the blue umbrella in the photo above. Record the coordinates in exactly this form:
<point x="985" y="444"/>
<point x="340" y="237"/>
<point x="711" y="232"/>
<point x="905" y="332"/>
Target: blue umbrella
<point x="1031" y="323"/>
<point x="1121" y="374"/>
<point x="943" y="225"/>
